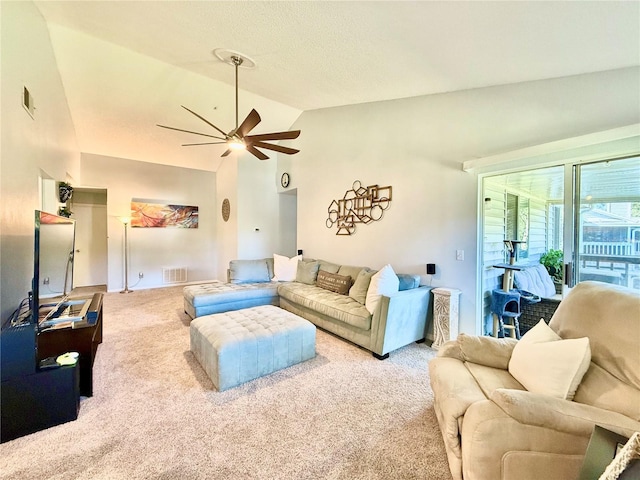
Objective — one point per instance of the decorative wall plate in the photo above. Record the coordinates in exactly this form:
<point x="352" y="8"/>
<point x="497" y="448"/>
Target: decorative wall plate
<point x="285" y="179"/>
<point x="226" y="209"/>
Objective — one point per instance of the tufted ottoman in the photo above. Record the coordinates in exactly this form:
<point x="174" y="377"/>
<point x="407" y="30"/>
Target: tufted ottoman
<point x="237" y="346"/>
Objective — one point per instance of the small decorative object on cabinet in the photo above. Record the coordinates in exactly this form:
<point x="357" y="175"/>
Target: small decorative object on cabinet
<point x="445" y="315"/>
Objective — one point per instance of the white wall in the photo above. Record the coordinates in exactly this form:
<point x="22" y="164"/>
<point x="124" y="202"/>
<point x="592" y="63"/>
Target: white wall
<point x="227" y="232"/>
<point x="151" y="249"/>
<point x="418" y="145"/>
<point x="288" y="223"/>
<point x="32" y="148"/>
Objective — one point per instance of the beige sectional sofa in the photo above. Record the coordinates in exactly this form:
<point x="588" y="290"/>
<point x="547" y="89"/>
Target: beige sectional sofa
<point x="380" y="322"/>
<point x="494" y="427"/>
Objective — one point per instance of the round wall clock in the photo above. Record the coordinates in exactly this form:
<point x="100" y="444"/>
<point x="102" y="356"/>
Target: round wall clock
<point x="226" y="209"/>
<point x="284" y="180"/>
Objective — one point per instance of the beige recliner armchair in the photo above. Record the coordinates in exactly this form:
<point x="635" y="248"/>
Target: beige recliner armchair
<point x="495" y="428"/>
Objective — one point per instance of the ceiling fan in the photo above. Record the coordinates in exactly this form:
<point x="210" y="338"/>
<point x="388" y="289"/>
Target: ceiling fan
<point x="238" y="138"/>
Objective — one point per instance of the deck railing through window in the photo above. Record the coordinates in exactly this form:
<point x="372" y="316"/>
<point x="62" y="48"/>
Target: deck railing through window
<point x="607" y="248"/>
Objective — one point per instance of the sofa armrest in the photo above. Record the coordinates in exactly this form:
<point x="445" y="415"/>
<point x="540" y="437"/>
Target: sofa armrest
<point x="489" y="351"/>
<point x="560" y="415"/>
<point x="400" y="319"/>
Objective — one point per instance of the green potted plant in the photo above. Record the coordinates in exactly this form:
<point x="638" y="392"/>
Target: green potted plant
<point x="552" y="260"/>
<point x="64" y="211"/>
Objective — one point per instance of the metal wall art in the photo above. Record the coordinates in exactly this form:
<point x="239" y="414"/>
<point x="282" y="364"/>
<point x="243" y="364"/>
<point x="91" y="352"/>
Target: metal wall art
<point x="359" y="205"/>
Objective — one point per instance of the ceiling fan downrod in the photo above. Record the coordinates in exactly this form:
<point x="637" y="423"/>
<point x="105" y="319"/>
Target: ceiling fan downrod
<point x="237" y="61"/>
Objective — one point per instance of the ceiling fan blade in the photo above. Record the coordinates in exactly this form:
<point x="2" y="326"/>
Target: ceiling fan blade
<point x="227" y="152"/>
<point x="206" y="143"/>
<point x="204" y="120"/>
<point x="277" y="148"/>
<point x="256" y="153"/>
<point x="249" y="123"/>
<point x="275" y="136"/>
<point x="189" y="131"/>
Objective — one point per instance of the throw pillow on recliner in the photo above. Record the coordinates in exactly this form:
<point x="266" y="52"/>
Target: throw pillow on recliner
<point x="545" y="363"/>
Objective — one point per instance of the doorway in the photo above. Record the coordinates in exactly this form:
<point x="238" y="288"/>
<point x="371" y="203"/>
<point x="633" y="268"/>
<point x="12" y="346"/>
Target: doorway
<point x="587" y="214"/>
<point x="607" y="219"/>
<point x="526" y="207"/>
<point x="91" y="259"/>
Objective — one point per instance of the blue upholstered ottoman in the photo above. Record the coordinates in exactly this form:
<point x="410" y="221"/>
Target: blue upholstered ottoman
<point x="237" y="346"/>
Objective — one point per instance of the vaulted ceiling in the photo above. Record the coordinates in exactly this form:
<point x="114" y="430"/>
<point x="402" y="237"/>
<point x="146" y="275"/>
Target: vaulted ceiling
<point x="319" y="54"/>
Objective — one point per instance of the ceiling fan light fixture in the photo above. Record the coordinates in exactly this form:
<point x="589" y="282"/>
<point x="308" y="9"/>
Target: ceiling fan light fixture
<point x="236" y="143"/>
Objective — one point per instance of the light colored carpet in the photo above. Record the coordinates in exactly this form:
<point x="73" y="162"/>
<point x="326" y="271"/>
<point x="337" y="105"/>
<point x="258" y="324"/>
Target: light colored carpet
<point x="155" y="414"/>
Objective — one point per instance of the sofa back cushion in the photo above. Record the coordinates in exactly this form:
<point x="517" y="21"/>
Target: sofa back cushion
<point x="249" y="271"/>
<point x="329" y="266"/>
<point x="609" y="316"/>
<point x="350" y="271"/>
<point x="535" y="279"/>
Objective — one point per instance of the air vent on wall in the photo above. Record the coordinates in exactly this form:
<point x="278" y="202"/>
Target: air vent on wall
<point x="27" y="101"/>
<point x="174" y="275"/>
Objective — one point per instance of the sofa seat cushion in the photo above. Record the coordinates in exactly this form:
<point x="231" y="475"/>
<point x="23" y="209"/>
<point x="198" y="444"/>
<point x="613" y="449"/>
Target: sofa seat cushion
<point x="339" y="307"/>
<point x="489" y="379"/>
<point x="219" y="292"/>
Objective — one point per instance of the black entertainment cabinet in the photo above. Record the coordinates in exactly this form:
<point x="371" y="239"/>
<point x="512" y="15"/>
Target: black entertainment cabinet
<point x="34" y="398"/>
<point x="81" y="336"/>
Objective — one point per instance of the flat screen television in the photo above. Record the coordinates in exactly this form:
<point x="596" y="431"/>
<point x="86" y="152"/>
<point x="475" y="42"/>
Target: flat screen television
<point x="54" y="247"/>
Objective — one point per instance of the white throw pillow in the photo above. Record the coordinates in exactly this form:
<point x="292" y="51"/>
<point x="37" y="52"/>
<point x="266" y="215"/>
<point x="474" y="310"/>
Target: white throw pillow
<point x="285" y="268"/>
<point x="544" y="363"/>
<point x="385" y="282"/>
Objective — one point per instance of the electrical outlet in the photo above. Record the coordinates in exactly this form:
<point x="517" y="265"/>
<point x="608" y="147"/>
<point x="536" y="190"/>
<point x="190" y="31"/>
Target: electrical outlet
<point x="45" y="281"/>
<point x="460" y="255"/>
<point x="140" y="275"/>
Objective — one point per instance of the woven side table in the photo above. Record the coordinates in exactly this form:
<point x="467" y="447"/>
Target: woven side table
<point x="446" y="307"/>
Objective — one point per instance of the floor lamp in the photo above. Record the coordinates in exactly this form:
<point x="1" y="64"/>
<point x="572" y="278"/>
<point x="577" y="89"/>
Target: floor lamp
<point x="125" y="221"/>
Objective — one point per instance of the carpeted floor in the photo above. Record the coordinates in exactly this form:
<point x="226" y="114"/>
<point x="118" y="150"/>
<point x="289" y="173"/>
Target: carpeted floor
<point x="155" y="414"/>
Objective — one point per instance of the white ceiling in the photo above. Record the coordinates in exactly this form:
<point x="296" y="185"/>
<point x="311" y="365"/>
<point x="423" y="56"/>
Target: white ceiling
<point x="317" y="54"/>
<point x="602" y="182"/>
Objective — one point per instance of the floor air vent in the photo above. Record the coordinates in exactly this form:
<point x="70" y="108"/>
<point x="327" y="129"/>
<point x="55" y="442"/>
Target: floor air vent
<point x="174" y="275"/>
